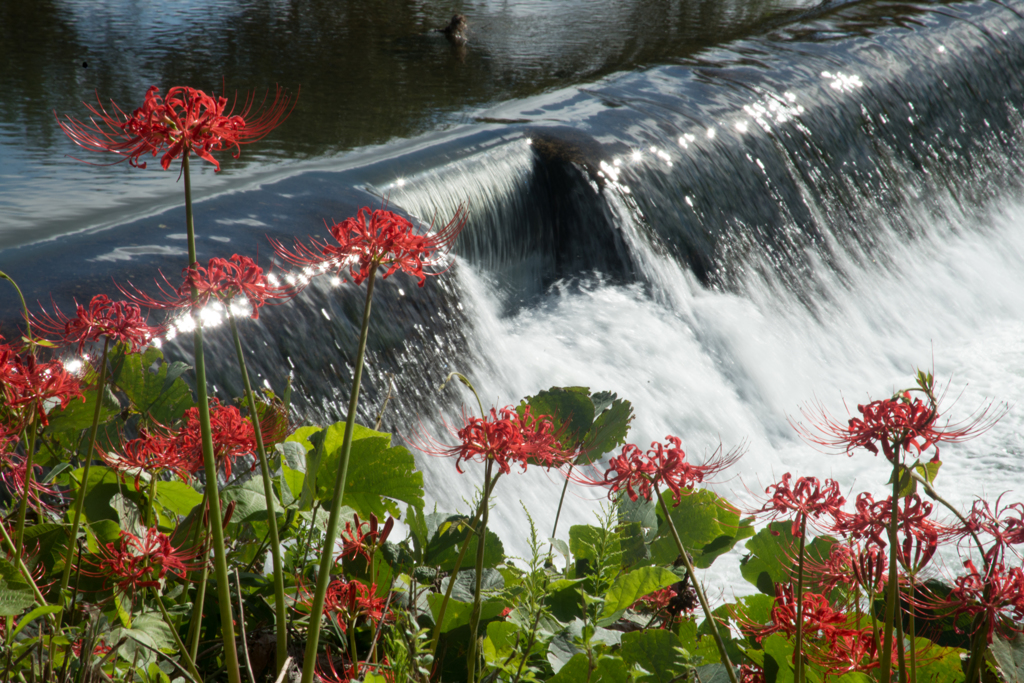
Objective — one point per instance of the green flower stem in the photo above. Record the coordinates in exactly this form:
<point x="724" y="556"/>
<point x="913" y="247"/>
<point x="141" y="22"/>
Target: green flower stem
<point x="885" y="663"/>
<point x="19" y="528"/>
<point x="40" y="600"/>
<point x="268" y="492"/>
<point x="913" y="631"/>
<point x="481" y="547"/>
<point x="76" y="518"/>
<point x="196" y="622"/>
<point x="24" y="307"/>
<point x="436" y="635"/>
<point x="216" y="519"/>
<point x="700" y="593"/>
<point x="799" y="654"/>
<point x="189" y="661"/>
<point x="323" y="577"/>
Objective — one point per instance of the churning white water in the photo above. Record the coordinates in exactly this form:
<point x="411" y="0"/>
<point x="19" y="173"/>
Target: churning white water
<point x="724" y="368"/>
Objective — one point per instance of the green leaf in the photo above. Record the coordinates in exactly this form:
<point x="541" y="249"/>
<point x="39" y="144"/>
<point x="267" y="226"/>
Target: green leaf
<point x="642" y="511"/>
<point x="774" y="551"/>
<point x="655" y="650"/>
<point x="443" y="549"/>
<point x="609" y="431"/>
<point x="78" y="415"/>
<point x="700" y="518"/>
<point x="584" y="539"/>
<point x="178" y="497"/>
<point x="457" y="613"/>
<point x="33" y="615"/>
<point x="1009" y="656"/>
<point x="778" y="660"/>
<point x="100" y="491"/>
<point x="570" y="409"/>
<point x="14" y="601"/>
<point x="250" y="502"/>
<point x="575" y="670"/>
<point x="376" y="472"/>
<point x="630" y="587"/>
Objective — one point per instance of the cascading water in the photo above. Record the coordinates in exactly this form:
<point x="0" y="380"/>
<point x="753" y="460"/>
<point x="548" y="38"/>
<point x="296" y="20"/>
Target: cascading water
<point x="796" y="232"/>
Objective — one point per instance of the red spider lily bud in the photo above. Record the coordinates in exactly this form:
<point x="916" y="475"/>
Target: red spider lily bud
<point x="186" y="121"/>
<point x="229" y="511"/>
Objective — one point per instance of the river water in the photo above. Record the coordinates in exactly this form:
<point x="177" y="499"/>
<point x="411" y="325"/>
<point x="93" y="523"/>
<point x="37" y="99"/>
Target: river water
<point x="728" y="213"/>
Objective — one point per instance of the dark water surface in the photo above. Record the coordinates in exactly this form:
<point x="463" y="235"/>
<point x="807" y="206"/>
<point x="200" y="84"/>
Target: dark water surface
<point x="369" y="72"/>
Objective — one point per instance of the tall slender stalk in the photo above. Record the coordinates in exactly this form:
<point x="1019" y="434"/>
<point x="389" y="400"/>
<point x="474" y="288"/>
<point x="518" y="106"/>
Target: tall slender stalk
<point x="705" y="605"/>
<point x="76" y="518"/>
<point x="885" y="663"/>
<point x="323" y="577"/>
<point x="481" y="546"/>
<point x="220" y="559"/>
<point x="268" y="492"/>
<point x="799" y="654"/>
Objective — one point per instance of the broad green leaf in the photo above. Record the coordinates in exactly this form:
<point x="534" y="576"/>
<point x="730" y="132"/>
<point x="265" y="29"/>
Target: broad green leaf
<point x="774" y="552"/>
<point x="576" y="670"/>
<point x="14" y="601"/>
<point x="642" y="511"/>
<point x="153" y="625"/>
<point x="744" y="529"/>
<point x="778" y="659"/>
<point x="123" y="605"/>
<point x="609" y="431"/>
<point x="376" y="472"/>
<point x="630" y="587"/>
<point x="655" y="650"/>
<point x="585" y="539"/>
<point x="457" y="613"/>
<point x="465" y="583"/>
<point x="155" y="387"/>
<point x="444" y="548"/>
<point x="250" y="502"/>
<point x="78" y="415"/>
<point x="100" y="491"/>
<point x="178" y="497"/>
<point x="570" y="409"/>
<point x="700" y="517"/>
<point x="1009" y="656"/>
<point x="33" y="615"/>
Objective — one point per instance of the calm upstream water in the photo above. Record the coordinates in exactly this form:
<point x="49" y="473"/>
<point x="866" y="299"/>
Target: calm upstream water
<point x="726" y="212"/>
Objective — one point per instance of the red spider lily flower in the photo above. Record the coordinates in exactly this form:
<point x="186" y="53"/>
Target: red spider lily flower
<point x="854" y="650"/>
<point x="133" y="563"/>
<point x="656" y="601"/>
<point x="871" y="519"/>
<point x="221" y="279"/>
<point x="641" y="473"/>
<point x="233" y="437"/>
<point x="896" y="425"/>
<point x="505" y="436"/>
<point x="30" y="387"/>
<point x="357" y="542"/>
<point x="13" y="475"/>
<point x="1004" y="525"/>
<point x="833" y="571"/>
<point x="151" y="453"/>
<point x="807" y="498"/>
<point x="377" y="238"/>
<point x="751" y="673"/>
<point x="118" y="321"/>
<point x="185" y="121"/>
<point x="100" y="649"/>
<point x="993" y="600"/>
<point x="350" y="671"/>
<point x="348" y="600"/>
<point x="820" y="620"/>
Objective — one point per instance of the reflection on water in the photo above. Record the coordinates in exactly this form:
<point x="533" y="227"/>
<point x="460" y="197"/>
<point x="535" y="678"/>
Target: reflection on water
<point x="369" y="72"/>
